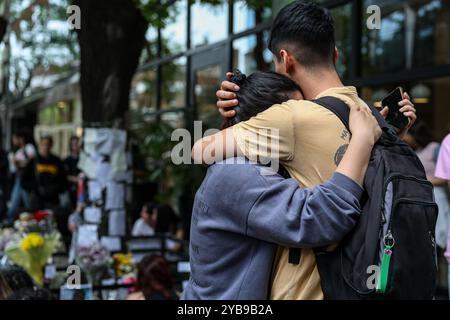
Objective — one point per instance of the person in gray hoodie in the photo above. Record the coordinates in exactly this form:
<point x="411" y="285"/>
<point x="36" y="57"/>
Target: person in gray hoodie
<point x="240" y="216"/>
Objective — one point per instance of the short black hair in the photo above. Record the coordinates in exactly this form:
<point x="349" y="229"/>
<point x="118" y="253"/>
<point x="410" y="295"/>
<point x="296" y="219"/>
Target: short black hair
<point x="260" y="91"/>
<point x="307" y="30"/>
<point x="16" y="278"/>
<point x="149" y="206"/>
<point x="48" y="138"/>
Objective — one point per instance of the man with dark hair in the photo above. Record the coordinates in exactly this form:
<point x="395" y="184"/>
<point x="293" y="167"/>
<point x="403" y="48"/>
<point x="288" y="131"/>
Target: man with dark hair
<point x="45" y="179"/>
<point x="307" y="31"/>
<point x="310" y="140"/>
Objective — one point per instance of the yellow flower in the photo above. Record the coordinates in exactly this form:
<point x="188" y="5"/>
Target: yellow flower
<point x="33" y="240"/>
<point x="25" y="245"/>
<point x="123" y="262"/>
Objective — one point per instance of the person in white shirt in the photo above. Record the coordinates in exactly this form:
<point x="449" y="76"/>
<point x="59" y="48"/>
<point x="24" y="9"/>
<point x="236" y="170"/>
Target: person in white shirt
<point x="23" y="154"/>
<point x="158" y="219"/>
<point x="144" y="226"/>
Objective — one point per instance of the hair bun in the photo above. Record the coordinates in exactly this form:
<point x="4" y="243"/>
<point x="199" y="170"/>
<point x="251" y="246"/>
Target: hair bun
<point x="238" y="77"/>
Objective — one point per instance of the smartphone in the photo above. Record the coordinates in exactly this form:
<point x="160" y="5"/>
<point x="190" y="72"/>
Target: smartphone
<point x="395" y="118"/>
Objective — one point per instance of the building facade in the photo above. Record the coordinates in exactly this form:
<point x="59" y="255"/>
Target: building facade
<point x="411" y="49"/>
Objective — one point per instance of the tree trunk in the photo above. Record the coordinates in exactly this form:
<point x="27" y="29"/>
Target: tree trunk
<point x="3" y="25"/>
<point x="111" y="40"/>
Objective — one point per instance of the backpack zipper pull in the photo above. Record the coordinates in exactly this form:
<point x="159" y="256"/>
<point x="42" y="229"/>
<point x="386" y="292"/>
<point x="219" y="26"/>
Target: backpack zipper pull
<point x="389" y="243"/>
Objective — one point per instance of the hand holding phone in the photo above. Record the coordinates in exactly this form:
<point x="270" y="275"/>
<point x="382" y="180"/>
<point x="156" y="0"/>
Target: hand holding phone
<point x="395" y="117"/>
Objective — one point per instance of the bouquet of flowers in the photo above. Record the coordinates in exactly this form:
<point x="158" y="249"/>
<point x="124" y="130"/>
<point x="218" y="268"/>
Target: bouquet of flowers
<point x="94" y="260"/>
<point x="32" y="253"/>
<point x="39" y="222"/>
<point x="123" y="264"/>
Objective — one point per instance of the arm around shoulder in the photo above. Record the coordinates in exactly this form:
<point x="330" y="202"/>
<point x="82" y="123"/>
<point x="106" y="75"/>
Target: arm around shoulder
<point x="292" y="216"/>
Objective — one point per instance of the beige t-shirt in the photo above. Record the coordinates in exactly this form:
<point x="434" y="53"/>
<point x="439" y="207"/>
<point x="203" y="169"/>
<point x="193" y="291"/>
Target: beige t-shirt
<point x="309" y="142"/>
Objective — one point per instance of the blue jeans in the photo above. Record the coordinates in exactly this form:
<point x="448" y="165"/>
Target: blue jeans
<point x="18" y="197"/>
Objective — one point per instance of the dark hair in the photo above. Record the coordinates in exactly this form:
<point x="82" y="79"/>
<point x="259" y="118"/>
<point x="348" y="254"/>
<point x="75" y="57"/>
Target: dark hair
<point x="5" y="290"/>
<point x="421" y="132"/>
<point x="48" y="138"/>
<point x="16" y="278"/>
<point x="31" y="294"/>
<point x="258" y="92"/>
<point x="166" y="218"/>
<point x="154" y="278"/>
<point x="16" y="284"/>
<point x="72" y="138"/>
<point x="149" y="206"/>
<point x="307" y="30"/>
<point x="20" y="134"/>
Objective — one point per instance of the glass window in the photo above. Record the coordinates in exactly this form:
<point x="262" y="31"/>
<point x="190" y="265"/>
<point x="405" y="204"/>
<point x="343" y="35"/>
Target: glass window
<point x="151" y="46"/>
<point x="174" y="119"/>
<point x="432" y="34"/>
<point x="173" y="84"/>
<point x="342" y="16"/>
<point x="206" y="18"/>
<point x="207" y="80"/>
<point x="412" y="34"/>
<point x="429" y="96"/>
<point x="174" y="35"/>
<point x="143" y="92"/>
<point x="251" y="53"/>
<point x="246" y="18"/>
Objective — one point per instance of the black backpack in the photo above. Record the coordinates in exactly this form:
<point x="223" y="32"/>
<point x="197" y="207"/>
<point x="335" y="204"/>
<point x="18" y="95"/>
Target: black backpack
<point x="391" y="253"/>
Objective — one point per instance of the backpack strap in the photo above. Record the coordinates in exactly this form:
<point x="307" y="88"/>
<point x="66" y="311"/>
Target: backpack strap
<point x="342" y="111"/>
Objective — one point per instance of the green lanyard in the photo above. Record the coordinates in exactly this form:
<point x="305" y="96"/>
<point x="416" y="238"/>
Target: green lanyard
<point x="384" y="270"/>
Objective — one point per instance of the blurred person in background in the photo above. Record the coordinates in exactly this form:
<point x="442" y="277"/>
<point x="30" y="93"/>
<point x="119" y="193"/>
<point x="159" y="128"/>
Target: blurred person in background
<point x="427" y="148"/>
<point x="159" y="219"/>
<point x="23" y="154"/>
<point x="45" y="179"/>
<point x="154" y="281"/>
<point x="71" y="167"/>
<point x="443" y="172"/>
<point x="16" y="284"/>
<point x="145" y="225"/>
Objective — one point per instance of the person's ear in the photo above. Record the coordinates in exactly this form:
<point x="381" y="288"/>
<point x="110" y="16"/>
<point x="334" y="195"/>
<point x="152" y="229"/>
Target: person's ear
<point x="287" y="62"/>
<point x="335" y="56"/>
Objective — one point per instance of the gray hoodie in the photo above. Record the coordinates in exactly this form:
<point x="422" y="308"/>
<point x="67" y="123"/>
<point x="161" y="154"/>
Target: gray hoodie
<point x="240" y="216"/>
